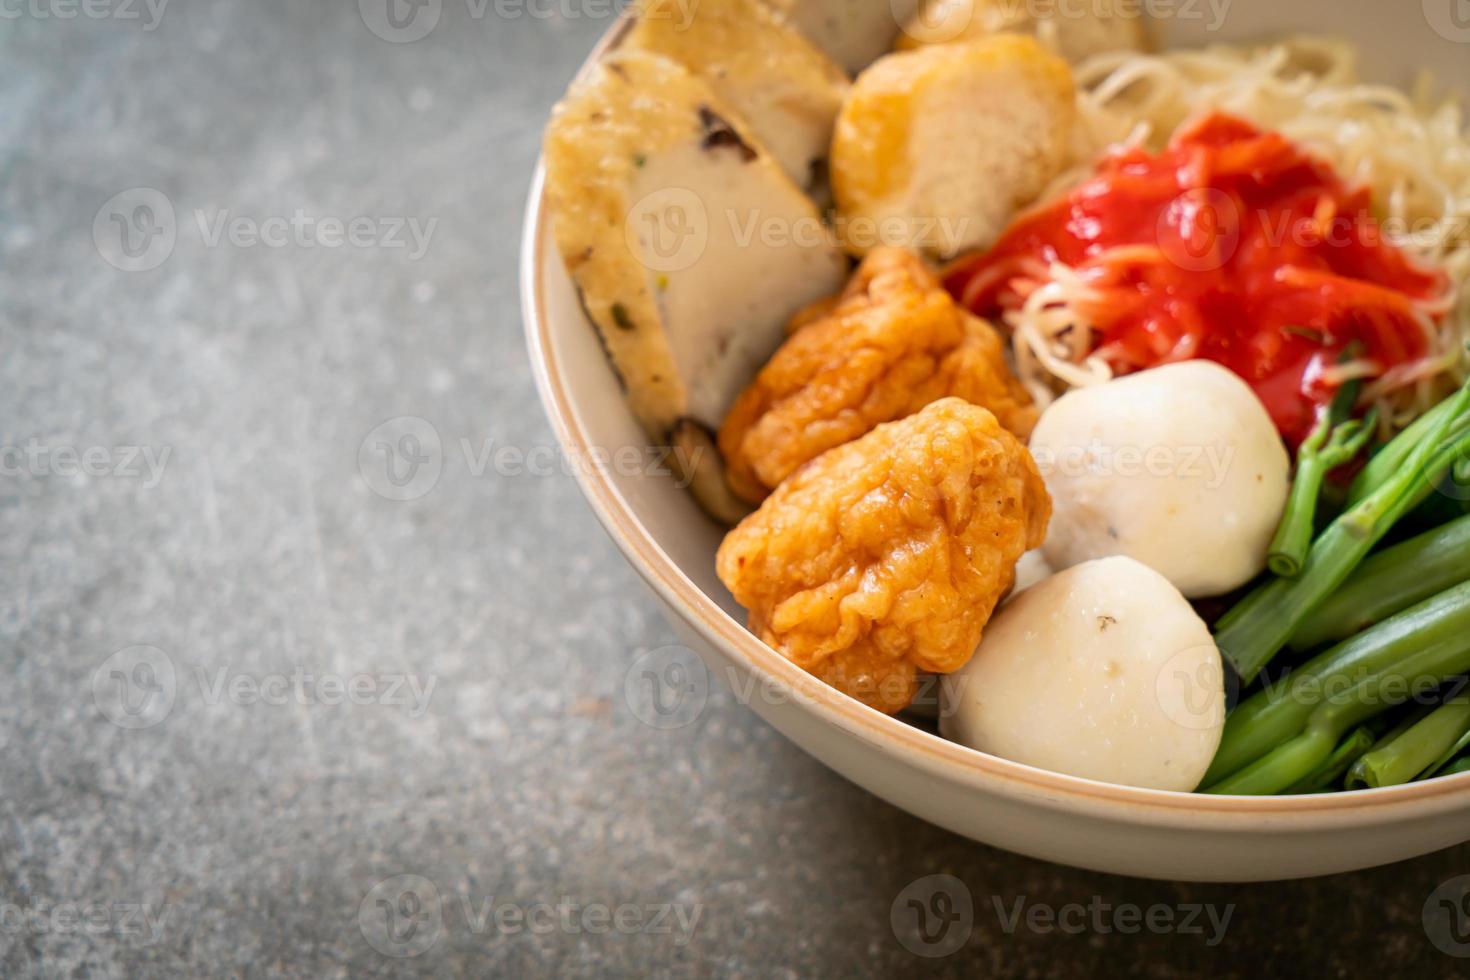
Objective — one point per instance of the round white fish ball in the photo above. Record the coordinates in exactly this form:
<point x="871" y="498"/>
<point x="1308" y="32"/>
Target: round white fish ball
<point x="1179" y="467"/>
<point x="1102" y="671"/>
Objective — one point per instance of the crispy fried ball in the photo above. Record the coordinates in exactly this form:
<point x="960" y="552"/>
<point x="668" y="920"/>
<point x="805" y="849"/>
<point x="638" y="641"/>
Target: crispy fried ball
<point x="891" y="343"/>
<point x="886" y="556"/>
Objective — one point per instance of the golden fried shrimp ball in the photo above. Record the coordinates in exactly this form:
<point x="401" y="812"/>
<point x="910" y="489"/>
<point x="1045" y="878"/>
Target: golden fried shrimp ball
<point x="891" y="343"/>
<point x="886" y="556"/>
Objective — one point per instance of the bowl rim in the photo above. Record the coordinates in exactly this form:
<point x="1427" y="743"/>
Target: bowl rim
<point x="944" y="758"/>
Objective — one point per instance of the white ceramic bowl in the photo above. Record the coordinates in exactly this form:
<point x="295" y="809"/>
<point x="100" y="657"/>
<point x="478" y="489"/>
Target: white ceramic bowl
<point x="1030" y="811"/>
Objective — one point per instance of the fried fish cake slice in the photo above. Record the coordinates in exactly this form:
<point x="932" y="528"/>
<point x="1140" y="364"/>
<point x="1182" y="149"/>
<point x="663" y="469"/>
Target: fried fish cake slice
<point x="886" y="556"/>
<point x="891" y="343"/>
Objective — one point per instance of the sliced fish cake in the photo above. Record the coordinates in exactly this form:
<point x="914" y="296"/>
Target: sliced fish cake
<point x="783" y="86"/>
<point x="689" y="245"/>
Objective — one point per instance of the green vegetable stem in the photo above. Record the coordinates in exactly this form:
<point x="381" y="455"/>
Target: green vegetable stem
<point x="1360" y="740"/>
<point x="1252" y="633"/>
<point x="1390" y="582"/>
<point x="1415" y="751"/>
<point x="1391" y="457"/>
<point x="1328" y="447"/>
<point x="1285" y="733"/>
<point x="1444" y="763"/>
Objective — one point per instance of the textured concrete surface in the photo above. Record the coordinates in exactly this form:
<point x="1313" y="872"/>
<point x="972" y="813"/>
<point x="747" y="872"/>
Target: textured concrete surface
<point x="262" y="719"/>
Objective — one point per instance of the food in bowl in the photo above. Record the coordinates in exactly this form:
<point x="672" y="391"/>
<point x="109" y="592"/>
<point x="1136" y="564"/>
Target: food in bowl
<point x="1237" y="255"/>
<point x="885" y="556"/>
<point x="1178" y="466"/>
<point x="891" y="343"/>
<point x="1103" y="670"/>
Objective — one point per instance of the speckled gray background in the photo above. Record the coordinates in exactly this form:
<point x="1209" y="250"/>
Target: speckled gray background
<point x="172" y="802"/>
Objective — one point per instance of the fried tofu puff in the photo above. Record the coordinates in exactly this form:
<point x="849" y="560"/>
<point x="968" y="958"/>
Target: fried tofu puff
<point x="886" y="556"/>
<point x="778" y="81"/>
<point x="936" y="149"/>
<point x="1075" y="35"/>
<point x="892" y="342"/>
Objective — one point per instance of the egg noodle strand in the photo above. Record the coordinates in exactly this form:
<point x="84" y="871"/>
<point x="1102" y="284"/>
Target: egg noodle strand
<point x="1411" y="150"/>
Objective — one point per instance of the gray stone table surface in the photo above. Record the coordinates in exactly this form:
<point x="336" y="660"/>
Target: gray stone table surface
<point x="247" y="693"/>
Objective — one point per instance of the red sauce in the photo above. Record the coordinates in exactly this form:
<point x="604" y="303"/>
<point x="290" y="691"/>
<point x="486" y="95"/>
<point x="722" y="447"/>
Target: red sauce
<point x="1244" y="250"/>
